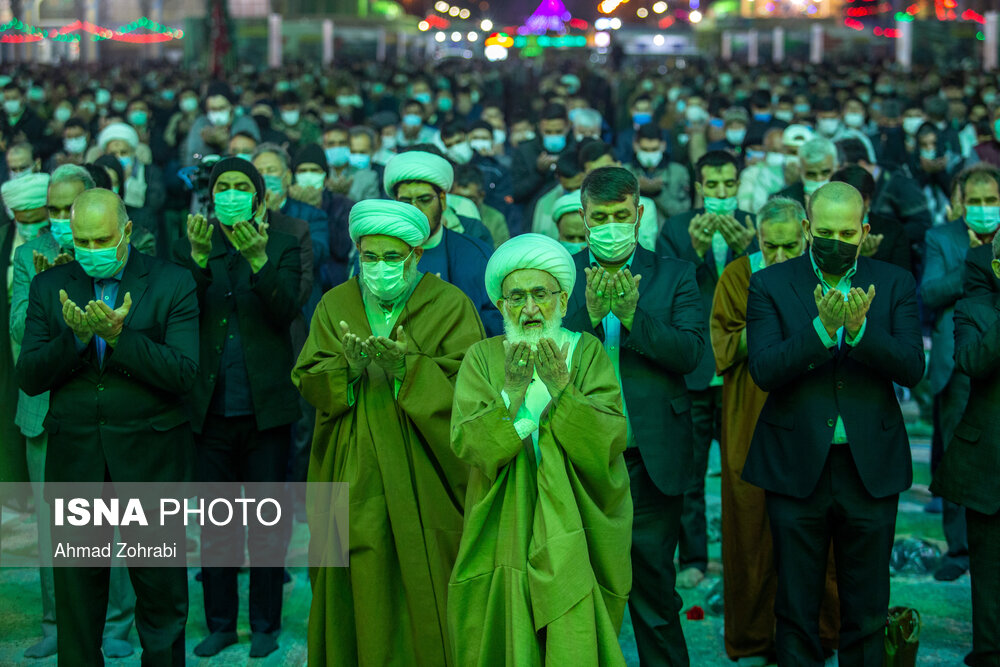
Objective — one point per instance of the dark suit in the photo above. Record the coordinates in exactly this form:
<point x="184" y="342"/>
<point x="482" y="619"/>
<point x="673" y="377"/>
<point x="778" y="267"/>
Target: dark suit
<point x="969" y="470"/>
<point x="243" y="404"/>
<point x="120" y="421"/>
<point x="795" y="191"/>
<point x="706" y="414"/>
<point x="979" y="276"/>
<point x="13" y="464"/>
<point x="528" y="181"/>
<point x="895" y="246"/>
<point x="817" y="491"/>
<point x="667" y="337"/>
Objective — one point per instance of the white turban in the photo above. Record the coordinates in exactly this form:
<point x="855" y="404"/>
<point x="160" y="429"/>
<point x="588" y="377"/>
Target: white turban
<point x="120" y="131"/>
<point x="566" y="204"/>
<point x="26" y="193"/>
<point x="390" y="218"/>
<point x="529" y="251"/>
<point x="418" y="166"/>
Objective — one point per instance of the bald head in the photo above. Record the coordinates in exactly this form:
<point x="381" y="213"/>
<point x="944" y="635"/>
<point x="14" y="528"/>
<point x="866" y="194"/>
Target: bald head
<point x="99" y="219"/>
<point x="842" y="196"/>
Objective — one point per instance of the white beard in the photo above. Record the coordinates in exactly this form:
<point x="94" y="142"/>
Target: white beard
<point x="515" y="334"/>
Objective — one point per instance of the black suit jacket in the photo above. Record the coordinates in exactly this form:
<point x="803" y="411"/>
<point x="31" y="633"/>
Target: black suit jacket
<point x="674" y="241"/>
<point x="979" y="276"/>
<point x="970" y="468"/>
<point x="265" y="305"/>
<point x="895" y="245"/>
<point x="666" y="341"/>
<point x="13" y="464"/>
<point x="810" y="384"/>
<point x="127" y="414"/>
<point x="528" y="182"/>
<point x="795" y="191"/>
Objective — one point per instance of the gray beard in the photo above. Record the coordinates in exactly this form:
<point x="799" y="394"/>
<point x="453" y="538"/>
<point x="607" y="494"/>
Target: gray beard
<point x="515" y="334"/>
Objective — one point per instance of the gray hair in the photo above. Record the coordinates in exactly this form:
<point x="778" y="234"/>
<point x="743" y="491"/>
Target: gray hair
<point x="588" y="118"/>
<point x="780" y="209"/>
<point x="818" y="149"/>
<point x="363" y="131"/>
<point x="269" y="147"/>
<point x="996" y="246"/>
<point x="69" y="173"/>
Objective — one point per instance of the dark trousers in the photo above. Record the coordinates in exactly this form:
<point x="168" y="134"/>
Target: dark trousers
<point x="231" y="449"/>
<point x="862" y="529"/>
<point x="949" y="406"/>
<point x="654" y="603"/>
<point x="706" y="422"/>
<point x="984" y="564"/>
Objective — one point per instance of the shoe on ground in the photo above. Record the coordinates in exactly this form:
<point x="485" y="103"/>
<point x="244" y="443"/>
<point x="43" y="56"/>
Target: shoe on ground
<point x="116" y="648"/>
<point x="690" y="578"/>
<point x="950" y="572"/>
<point x="263" y="644"/>
<point x="214" y="643"/>
<point x="43" y="649"/>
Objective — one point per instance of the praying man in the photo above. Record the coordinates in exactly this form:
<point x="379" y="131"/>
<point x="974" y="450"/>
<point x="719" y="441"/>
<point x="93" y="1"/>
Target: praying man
<point x="543" y="572"/>
<point x="379" y="367"/>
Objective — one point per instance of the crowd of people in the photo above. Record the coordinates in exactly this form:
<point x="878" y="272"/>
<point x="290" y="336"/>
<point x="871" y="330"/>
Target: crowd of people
<point x="512" y="307"/>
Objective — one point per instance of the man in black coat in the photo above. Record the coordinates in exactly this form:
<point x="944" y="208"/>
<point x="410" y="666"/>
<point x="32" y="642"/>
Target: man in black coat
<point x="114" y="337"/>
<point x="243" y="403"/>
<point x="647" y="312"/>
<point x="971" y="465"/>
<point x="710" y="238"/>
<point x="979" y="277"/>
<point x="830" y="448"/>
<point x="533" y="166"/>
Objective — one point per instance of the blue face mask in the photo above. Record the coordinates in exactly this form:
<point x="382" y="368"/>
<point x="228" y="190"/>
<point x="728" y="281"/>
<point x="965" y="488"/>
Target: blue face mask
<point x="126" y="162"/>
<point x="102" y="262"/>
<point x="337" y="156"/>
<point x="360" y="160"/>
<point x="573" y="248"/>
<point x="554" y="143"/>
<point x="445" y="104"/>
<point x="412" y="120"/>
<point x="762" y="117"/>
<point x="642" y="118"/>
<point x="61" y="232"/>
<point x="423" y="98"/>
<point x="273" y="183"/>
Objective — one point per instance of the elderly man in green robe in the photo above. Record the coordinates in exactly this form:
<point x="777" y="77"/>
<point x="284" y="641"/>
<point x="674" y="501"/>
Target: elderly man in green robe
<point x="543" y="572"/>
<point x="379" y="366"/>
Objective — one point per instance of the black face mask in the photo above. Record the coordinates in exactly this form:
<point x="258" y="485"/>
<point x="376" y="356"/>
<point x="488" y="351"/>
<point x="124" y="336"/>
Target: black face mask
<point x="833" y="256"/>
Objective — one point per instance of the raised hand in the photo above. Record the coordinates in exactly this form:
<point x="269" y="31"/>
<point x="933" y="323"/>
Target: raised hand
<point x="625" y="296"/>
<point x="700" y="230"/>
<point x="388" y="354"/>
<point x="75" y="318"/>
<point x="598" y="294"/>
<point x="251" y="241"/>
<point x="856" y="309"/>
<point x="551" y="366"/>
<point x="199" y="233"/>
<point x="831" y="309"/>
<point x="354" y="352"/>
<point x="108" y="323"/>
<point x="738" y="235"/>
<point x="974" y="241"/>
<point x="42" y="262"/>
<point x="871" y="243"/>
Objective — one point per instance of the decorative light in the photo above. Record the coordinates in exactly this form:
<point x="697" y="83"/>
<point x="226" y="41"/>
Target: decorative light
<point x="602" y="23"/>
<point x="980" y="36"/>
<point x="473" y="36"/>
<point x="441" y="6"/>
<point x="456" y="36"/>
<point x="658" y="40"/>
<point x="608" y="6"/>
<point x="616" y="23"/>
<point x="695" y="17"/>
<point x="660" y="7"/>
<point x="423" y="26"/>
<point x="486" y="25"/>
<point x="602" y="40"/>
<point x="439" y="37"/>
<point x="642" y="12"/>
<point x="495" y="52"/>
<point x="454" y="11"/>
<point x="464" y="14"/>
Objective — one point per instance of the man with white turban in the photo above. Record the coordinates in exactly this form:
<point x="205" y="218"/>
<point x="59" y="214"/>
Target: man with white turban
<point x="543" y="571"/>
<point x="569" y="221"/>
<point x="379" y="367"/>
<point x="423" y="179"/>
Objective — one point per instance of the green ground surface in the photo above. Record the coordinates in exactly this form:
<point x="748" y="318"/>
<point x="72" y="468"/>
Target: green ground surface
<point x="944" y="606"/>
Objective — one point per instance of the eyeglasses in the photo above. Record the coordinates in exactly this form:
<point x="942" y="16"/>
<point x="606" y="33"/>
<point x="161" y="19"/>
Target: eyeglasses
<point x="388" y="258"/>
<point x="540" y="296"/>
<point x="422" y="200"/>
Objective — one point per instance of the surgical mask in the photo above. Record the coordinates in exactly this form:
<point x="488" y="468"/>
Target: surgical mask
<point x="234" y="206"/>
<point x="499" y="137"/>
<point x="911" y="124"/>
<point x="63" y="114"/>
<point x="785" y="115"/>
<point x="75" y="145"/>
<point x="554" y="143"/>
<point x="828" y="126"/>
<point x="126" y="162"/>
<point x="695" y="114"/>
<point x="100" y="263"/>
<point x="36" y="94"/>
<point x="423" y="98"/>
<point x="61" y="232"/>
<point x="982" y="219"/>
<point x="389" y="143"/>
<point x="725" y="79"/>
<point x="720" y="205"/>
<point x="290" y="117"/>
<point x="167" y="95"/>
<point x="573" y="248"/>
<point x="347" y="101"/>
<point x="330" y="118"/>
<point x="19" y="173"/>
<point x="445" y="104"/>
<point x="274" y="184"/>
<point x="310" y="179"/>
<point x="647" y="85"/>
<point x="337" y="156"/>
<point x="102" y="96"/>
<point x="119" y="105"/>
<point x="359" y="160"/>
<point x="755" y="156"/>
<point x="854" y="119"/>
<point x="928" y="153"/>
<point x="138" y="118"/>
<point x="612" y="241"/>
<point x="681" y="105"/>
<point x="412" y="120"/>
<point x="385" y="280"/>
<point x="573" y="114"/>
<point x="188" y="104"/>
<point x="649" y="159"/>
<point x="12" y="107"/>
<point x="802" y="109"/>
<point x="762" y="117"/>
<point x="775" y="159"/>
<point x="989" y="98"/>
<point x="736" y="137"/>
<point x="833" y="256"/>
<point x="527" y="136"/>
<point x="812" y="186"/>
<point x="88" y="107"/>
<point x="481" y="145"/>
<point x="31" y="230"/>
<point x="640" y="118"/>
<point x="996" y="128"/>
<point x="218" y="118"/>
<point x="282" y="86"/>
<point x="579" y="137"/>
<point x="461" y="152"/>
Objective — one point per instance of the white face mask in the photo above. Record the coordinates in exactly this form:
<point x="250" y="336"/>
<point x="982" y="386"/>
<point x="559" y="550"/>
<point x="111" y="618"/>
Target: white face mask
<point x="812" y="186"/>
<point x="854" y="119"/>
<point x="828" y="126"/>
<point x="612" y="241"/>
<point x="775" y="159"/>
<point x="481" y="145"/>
<point x="290" y="117"/>
<point x="385" y="280"/>
<point x="720" y="206"/>
<point x="911" y="124"/>
<point x="189" y="104"/>
<point x="218" y="117"/>
<point x="499" y="137"/>
<point x="461" y="153"/>
<point x="649" y="159"/>
<point x="310" y="179"/>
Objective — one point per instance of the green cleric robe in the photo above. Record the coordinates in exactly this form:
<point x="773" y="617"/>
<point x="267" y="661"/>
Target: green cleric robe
<point x="407" y="487"/>
<point x="543" y="573"/>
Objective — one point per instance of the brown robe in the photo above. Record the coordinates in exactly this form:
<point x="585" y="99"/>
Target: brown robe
<point x="749" y="577"/>
<point x="407" y="487"/>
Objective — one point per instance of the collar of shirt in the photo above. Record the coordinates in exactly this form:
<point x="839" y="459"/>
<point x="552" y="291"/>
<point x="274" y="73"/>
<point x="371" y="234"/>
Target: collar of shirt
<point x="819" y="274"/>
<point x="594" y="262"/>
<point x="435" y="239"/>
